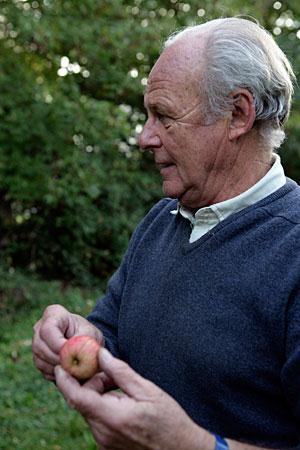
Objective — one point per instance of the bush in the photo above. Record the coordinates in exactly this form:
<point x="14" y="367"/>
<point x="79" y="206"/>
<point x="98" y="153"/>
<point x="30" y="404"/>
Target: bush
<point x="73" y="184"/>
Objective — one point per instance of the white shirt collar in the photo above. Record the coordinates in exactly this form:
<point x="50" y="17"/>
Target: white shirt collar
<point x="273" y="180"/>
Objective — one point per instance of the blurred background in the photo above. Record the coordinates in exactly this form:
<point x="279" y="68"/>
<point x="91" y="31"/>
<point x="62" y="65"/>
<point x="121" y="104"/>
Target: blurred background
<point x="73" y="184"/>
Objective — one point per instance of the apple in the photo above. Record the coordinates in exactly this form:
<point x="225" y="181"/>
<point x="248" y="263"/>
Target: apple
<point x="79" y="357"/>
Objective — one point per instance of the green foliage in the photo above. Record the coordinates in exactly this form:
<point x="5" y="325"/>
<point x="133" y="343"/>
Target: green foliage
<point x="72" y="182"/>
<point x="21" y="293"/>
<point x="33" y="414"/>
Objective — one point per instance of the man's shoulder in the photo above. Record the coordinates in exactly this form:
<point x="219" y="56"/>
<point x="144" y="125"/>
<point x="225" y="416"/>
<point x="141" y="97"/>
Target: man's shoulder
<point x="155" y="224"/>
<point x="286" y="204"/>
<point x="162" y="209"/>
<point x="157" y="218"/>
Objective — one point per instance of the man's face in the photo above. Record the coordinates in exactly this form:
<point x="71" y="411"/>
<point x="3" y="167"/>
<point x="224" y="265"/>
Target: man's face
<point x="188" y="154"/>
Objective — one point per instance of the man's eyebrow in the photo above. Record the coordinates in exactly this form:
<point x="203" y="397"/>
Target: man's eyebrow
<point x="148" y="104"/>
<point x="155" y="106"/>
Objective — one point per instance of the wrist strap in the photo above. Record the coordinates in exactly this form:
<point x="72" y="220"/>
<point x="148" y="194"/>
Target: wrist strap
<point x="221" y="444"/>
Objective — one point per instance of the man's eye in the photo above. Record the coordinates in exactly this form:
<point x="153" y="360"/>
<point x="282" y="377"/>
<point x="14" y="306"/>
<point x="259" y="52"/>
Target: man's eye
<point x="165" y="120"/>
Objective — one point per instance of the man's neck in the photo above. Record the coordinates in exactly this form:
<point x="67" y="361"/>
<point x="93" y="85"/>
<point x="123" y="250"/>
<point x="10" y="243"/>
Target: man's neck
<point x="248" y="162"/>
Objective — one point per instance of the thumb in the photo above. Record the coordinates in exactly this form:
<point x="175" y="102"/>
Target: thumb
<point x="125" y="377"/>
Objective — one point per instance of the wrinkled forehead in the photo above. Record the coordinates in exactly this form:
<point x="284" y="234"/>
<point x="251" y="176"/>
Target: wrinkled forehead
<point x="178" y="67"/>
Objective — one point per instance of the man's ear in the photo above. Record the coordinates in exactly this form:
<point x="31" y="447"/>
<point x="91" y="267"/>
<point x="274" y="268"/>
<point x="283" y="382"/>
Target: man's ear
<point x="243" y="113"/>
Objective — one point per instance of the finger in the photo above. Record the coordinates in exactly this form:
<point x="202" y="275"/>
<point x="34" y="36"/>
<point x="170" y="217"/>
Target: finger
<point x="99" y="384"/>
<point x="76" y="395"/>
<point x="42" y="351"/>
<point x="81" y="326"/>
<point x="49" y="377"/>
<point x="56" y="323"/>
<point x="68" y="386"/>
<point x="49" y="333"/>
<point x="89" y="404"/>
<point x="96" y="383"/>
<point x="43" y="366"/>
<point x="107" y="381"/>
<point x="52" y="332"/>
<point x="125" y="377"/>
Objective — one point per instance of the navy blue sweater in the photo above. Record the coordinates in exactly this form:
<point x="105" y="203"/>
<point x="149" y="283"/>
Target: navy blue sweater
<point x="216" y="323"/>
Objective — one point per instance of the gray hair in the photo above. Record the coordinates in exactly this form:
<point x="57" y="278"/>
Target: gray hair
<point x="241" y="54"/>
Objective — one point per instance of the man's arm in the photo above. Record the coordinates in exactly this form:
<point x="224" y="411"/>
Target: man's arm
<point x="57" y="324"/>
<point x="142" y="417"/>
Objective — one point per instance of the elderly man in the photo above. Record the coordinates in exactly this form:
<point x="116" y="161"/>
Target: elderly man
<point x="201" y="322"/>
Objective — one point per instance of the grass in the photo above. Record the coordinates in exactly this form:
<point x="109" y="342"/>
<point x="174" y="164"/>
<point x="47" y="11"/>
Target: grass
<point x="33" y="414"/>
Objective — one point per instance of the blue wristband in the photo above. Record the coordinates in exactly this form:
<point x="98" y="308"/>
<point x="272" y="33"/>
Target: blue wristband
<point x="220" y="443"/>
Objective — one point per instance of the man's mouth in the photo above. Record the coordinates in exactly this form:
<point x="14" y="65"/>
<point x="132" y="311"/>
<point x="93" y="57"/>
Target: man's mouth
<point x="162" y="166"/>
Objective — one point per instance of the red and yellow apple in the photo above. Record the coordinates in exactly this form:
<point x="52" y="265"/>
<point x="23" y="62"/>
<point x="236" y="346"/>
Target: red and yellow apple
<point x="79" y="357"/>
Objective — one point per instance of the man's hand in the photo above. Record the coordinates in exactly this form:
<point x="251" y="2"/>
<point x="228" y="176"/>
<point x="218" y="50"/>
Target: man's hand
<point x="141" y="417"/>
<point x="51" y="332"/>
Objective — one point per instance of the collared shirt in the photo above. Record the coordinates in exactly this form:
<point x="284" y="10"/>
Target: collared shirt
<point x="208" y="217"/>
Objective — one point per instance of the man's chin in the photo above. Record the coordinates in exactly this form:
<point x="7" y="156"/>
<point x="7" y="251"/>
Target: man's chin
<point x="191" y="199"/>
<point x="171" y="190"/>
<point x="186" y="200"/>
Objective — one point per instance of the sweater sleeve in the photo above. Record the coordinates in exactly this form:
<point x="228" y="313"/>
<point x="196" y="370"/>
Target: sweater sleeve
<point x="105" y="314"/>
<point x="106" y="311"/>
<point x="290" y="374"/>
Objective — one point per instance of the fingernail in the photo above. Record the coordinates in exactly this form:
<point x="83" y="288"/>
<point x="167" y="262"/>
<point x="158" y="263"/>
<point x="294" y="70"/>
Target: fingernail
<point x="105" y="355"/>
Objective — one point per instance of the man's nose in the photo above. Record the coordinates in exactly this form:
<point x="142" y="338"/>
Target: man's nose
<point x="149" y="138"/>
